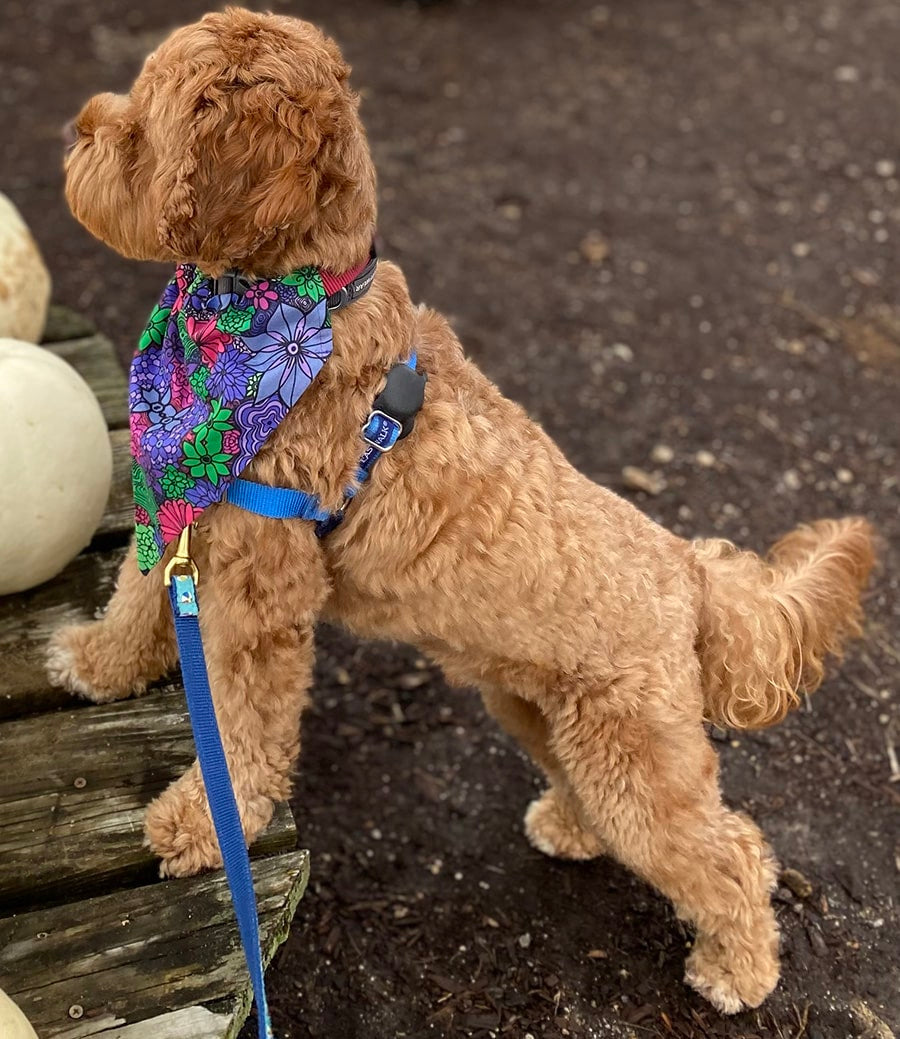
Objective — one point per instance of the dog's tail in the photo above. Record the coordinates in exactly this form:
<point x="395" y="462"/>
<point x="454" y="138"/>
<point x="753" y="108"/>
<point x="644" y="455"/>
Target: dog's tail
<point x="766" y="626"/>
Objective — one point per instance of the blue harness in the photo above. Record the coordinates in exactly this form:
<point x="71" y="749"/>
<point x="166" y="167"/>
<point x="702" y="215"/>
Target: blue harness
<point x="390" y="420"/>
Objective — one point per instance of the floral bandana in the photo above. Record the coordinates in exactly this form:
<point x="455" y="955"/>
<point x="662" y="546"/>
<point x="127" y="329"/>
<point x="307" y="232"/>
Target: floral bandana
<point x="212" y="378"/>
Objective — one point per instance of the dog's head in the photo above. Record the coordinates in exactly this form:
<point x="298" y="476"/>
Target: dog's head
<point x="239" y="145"/>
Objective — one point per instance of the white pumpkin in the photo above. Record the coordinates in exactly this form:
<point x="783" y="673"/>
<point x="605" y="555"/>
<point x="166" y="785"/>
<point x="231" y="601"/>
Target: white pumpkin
<point x="12" y="1021"/>
<point x="55" y="465"/>
<point x="24" y="280"/>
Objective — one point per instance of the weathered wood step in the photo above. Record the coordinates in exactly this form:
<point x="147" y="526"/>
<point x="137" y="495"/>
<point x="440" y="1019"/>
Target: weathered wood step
<point x="94" y="358"/>
<point x="152" y="954"/>
<point x="72" y="804"/>
<point x="119" y="515"/>
<point x="27" y="621"/>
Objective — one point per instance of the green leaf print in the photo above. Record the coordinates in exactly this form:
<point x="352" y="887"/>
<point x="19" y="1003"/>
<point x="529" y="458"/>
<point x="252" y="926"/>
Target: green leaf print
<point x="147" y="549"/>
<point x="143" y="496"/>
<point x="156" y="328"/>
<point x="307" y="281"/>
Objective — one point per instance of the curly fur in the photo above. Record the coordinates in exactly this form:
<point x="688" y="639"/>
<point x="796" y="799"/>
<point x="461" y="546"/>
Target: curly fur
<point x="600" y="640"/>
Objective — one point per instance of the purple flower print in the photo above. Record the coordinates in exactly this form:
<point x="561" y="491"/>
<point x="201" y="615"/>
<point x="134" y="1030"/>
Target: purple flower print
<point x="199" y="298"/>
<point x="170" y="294"/>
<point x="230" y="375"/>
<point x="255" y="424"/>
<point x="144" y="370"/>
<point x="203" y="494"/>
<point x="214" y="376"/>
<point x="159" y="445"/>
<point x="290" y="352"/>
<point x="157" y="403"/>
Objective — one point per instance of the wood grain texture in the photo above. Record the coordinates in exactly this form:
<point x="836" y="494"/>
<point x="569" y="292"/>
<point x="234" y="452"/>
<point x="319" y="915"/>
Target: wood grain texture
<point x="95" y="361"/>
<point x="119" y="515"/>
<point x="63" y="323"/>
<point x="190" y="1023"/>
<point x="144" y="954"/>
<point x="71" y="811"/>
<point x="27" y="621"/>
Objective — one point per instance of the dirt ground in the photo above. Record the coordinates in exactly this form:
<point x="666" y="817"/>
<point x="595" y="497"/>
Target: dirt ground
<point x="671" y="229"/>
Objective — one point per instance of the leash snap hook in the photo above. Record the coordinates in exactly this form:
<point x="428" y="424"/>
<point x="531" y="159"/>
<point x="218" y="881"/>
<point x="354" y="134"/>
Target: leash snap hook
<point x="182" y="560"/>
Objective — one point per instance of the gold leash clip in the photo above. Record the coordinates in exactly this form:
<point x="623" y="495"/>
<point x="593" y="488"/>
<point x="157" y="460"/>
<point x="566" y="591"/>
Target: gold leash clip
<point x="182" y="560"/>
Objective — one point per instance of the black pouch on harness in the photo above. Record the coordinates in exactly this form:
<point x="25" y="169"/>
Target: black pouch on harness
<point x="402" y="397"/>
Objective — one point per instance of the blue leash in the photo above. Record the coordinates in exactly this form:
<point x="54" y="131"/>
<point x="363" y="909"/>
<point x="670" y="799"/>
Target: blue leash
<point x="213" y="765"/>
<point x="380" y="433"/>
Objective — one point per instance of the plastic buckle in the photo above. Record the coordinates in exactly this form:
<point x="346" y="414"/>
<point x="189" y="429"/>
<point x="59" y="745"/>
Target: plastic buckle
<point x="339" y="299"/>
<point x="386" y="433"/>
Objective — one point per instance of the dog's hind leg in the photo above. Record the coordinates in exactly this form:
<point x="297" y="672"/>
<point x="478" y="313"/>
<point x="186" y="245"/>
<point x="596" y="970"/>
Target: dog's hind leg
<point x="648" y="779"/>
<point x="132" y="645"/>
<point x="265" y="586"/>
<point x="554" y="823"/>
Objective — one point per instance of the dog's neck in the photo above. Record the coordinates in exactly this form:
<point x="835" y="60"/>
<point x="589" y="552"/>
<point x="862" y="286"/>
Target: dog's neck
<point x="287" y="252"/>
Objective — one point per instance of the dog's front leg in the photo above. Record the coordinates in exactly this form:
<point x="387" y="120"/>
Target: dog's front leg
<point x="133" y="644"/>
<point x="264" y="585"/>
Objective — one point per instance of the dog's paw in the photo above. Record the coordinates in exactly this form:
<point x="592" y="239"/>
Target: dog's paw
<point x="179" y="828"/>
<point x="731" y="983"/>
<point x="552" y="827"/>
<point x="78" y="659"/>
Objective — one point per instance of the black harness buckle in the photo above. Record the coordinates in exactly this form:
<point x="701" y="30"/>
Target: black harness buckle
<point x="232" y="282"/>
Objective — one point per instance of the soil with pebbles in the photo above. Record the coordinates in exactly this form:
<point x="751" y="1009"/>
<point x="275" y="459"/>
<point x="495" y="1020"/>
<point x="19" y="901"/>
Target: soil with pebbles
<point x="669" y="228"/>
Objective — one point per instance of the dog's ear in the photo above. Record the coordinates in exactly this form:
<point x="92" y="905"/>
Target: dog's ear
<point x="254" y="161"/>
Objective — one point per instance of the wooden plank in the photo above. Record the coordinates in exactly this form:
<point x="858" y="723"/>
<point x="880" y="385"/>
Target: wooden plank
<point x="63" y="323"/>
<point x="190" y="1023"/>
<point x="119" y="515"/>
<point x="136" y="955"/>
<point x="71" y="811"/>
<point x="95" y="360"/>
<point x="28" y="620"/>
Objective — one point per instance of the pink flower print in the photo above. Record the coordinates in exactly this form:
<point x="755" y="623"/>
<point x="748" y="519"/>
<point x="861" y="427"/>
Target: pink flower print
<point x="141" y="516"/>
<point x="139" y="424"/>
<point x="182" y="281"/>
<point x="210" y="339"/>
<point x="262" y="295"/>
<point x="182" y="391"/>
<point x="174" y="516"/>
<point x="231" y="442"/>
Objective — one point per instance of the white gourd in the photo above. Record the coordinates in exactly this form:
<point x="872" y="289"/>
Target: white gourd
<point x="12" y="1021"/>
<point x="55" y="465"/>
<point x="24" y="280"/>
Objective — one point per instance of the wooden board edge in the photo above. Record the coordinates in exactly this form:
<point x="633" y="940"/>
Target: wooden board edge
<point x="197" y="1022"/>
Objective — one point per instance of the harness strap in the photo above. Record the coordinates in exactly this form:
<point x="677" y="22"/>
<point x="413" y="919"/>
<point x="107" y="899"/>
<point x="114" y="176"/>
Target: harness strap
<point x="390" y="420"/>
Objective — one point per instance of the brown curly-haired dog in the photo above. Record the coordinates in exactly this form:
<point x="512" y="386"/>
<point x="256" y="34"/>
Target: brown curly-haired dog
<point x="600" y="640"/>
